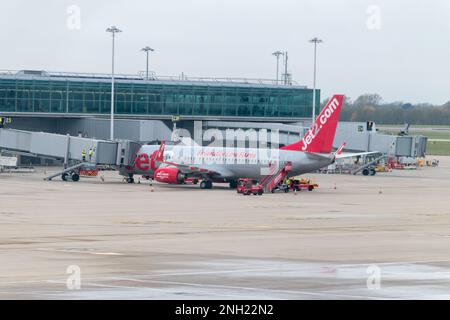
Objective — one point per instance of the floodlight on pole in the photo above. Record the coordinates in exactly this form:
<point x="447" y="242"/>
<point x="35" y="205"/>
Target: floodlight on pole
<point x="113" y="30"/>
<point x="147" y="49"/>
<point x="278" y="54"/>
<point x="315" y="41"/>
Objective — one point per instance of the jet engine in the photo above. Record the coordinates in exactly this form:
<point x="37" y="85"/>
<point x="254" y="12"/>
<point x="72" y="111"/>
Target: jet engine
<point x="169" y="175"/>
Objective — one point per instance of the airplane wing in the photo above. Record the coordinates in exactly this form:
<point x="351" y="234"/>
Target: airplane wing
<point x="339" y="155"/>
<point x="189" y="169"/>
<point x="352" y="155"/>
<point x="199" y="171"/>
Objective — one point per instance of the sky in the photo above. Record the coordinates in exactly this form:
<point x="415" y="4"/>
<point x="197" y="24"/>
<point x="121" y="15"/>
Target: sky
<point x="398" y="49"/>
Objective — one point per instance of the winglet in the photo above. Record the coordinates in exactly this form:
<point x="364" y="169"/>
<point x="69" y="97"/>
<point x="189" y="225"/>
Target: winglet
<point x="160" y="155"/>
<point x="339" y="150"/>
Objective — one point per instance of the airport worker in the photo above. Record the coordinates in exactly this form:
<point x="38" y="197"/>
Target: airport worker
<point x="288" y="181"/>
<point x="91" y="153"/>
<point x="83" y="154"/>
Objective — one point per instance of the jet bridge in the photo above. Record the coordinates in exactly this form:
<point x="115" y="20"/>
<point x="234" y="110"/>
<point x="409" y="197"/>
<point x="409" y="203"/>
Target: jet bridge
<point x="72" y="149"/>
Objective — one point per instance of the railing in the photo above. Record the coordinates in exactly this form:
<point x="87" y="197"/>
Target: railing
<point x="57" y="74"/>
<point x="141" y="76"/>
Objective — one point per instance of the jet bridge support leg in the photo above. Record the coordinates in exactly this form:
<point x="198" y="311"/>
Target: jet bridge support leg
<point x="66" y="155"/>
<point x="66" y="170"/>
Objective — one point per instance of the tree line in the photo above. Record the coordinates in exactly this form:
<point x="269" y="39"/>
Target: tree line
<point x="370" y="107"/>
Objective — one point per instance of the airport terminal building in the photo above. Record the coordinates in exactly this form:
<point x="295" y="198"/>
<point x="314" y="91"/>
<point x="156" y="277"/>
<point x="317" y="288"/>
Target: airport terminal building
<point x="41" y="93"/>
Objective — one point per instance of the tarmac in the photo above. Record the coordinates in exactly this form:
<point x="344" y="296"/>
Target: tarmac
<point x="356" y="237"/>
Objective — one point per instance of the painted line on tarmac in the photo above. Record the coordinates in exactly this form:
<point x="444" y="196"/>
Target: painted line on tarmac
<point x="393" y="263"/>
<point x="189" y="284"/>
<point x="216" y="286"/>
<point x="93" y="284"/>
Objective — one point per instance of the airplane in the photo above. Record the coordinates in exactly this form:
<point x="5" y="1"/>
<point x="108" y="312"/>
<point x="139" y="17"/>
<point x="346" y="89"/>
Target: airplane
<point x="223" y="164"/>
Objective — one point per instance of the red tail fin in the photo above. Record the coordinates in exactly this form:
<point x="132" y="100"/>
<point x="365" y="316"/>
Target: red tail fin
<point x="321" y="135"/>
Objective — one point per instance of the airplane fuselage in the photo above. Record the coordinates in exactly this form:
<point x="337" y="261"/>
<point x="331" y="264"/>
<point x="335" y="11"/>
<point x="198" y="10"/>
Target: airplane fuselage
<point x="177" y="162"/>
<point x="232" y="163"/>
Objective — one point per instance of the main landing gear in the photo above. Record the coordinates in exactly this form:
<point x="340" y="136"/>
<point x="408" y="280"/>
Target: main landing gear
<point x="233" y="184"/>
<point x="130" y="179"/>
<point x="206" y="184"/>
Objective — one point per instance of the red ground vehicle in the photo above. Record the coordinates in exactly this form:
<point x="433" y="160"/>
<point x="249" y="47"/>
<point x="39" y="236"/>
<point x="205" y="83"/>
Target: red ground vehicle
<point x="88" y="171"/>
<point x="249" y="186"/>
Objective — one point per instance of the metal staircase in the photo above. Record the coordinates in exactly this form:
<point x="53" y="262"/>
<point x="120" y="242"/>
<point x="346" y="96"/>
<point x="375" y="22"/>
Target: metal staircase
<point x="271" y="181"/>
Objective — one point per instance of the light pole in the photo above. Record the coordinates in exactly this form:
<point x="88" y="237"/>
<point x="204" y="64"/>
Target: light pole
<point x="146" y="50"/>
<point x="286" y="76"/>
<point x="278" y="54"/>
<point x="113" y="30"/>
<point x="315" y="41"/>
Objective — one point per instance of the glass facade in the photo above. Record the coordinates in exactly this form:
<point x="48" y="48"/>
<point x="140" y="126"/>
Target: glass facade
<point x="92" y="96"/>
